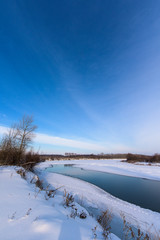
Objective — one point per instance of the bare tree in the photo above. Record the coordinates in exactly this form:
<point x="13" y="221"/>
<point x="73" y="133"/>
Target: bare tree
<point x="14" y="144"/>
<point x="25" y="132"/>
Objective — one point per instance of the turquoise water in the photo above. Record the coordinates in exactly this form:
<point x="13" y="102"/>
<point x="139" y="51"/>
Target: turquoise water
<point x="142" y="192"/>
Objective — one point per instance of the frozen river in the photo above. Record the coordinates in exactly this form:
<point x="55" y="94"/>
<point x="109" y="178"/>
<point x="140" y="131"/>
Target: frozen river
<point x="142" y="192"/>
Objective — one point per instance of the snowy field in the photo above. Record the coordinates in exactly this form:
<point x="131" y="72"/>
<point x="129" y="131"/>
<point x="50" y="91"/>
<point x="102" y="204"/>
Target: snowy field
<point x="26" y="213"/>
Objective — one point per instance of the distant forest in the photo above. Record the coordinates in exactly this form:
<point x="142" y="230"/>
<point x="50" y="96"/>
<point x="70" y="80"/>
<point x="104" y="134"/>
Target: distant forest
<point x="82" y="156"/>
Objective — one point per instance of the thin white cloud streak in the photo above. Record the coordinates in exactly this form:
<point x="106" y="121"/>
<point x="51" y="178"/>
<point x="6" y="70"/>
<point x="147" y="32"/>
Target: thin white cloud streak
<point x="65" y="142"/>
<point x="145" y="142"/>
<point x="58" y="141"/>
<point x="92" y="146"/>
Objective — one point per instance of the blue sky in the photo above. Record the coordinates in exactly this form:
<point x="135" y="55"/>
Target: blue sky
<point x="88" y="71"/>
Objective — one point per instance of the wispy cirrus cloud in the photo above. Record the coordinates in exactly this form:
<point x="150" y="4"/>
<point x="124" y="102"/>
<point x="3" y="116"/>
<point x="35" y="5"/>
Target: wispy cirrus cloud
<point x="59" y="141"/>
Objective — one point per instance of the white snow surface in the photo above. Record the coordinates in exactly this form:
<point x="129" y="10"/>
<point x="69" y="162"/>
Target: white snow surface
<point x="26" y="214"/>
<point x="91" y="196"/>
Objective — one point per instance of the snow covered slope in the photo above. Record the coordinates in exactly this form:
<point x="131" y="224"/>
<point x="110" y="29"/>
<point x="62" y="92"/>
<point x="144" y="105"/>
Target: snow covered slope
<point x="26" y="214"/>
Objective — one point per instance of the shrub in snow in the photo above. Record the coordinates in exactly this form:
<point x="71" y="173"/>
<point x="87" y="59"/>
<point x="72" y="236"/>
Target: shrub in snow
<point x="68" y="199"/>
<point x="22" y="172"/>
<point x="105" y="220"/>
<point x="130" y="233"/>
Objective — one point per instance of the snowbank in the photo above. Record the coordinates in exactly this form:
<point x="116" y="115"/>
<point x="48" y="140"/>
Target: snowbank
<point x="26" y="214"/>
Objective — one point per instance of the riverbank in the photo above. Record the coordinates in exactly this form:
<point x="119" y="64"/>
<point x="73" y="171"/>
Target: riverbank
<point x="95" y="198"/>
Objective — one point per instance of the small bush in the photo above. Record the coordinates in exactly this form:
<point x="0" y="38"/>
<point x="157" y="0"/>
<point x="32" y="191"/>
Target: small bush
<point x="68" y="199"/>
<point x="105" y="220"/>
<point x="49" y="193"/>
<point x="39" y="184"/>
<point x="155" y="158"/>
<point x="129" y="233"/>
<point x="31" y="159"/>
<point x="143" y="158"/>
<point x="9" y="156"/>
<point x="22" y="172"/>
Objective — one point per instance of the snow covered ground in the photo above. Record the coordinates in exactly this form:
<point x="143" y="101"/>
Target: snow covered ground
<point x="26" y="213"/>
<point x="93" y="197"/>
